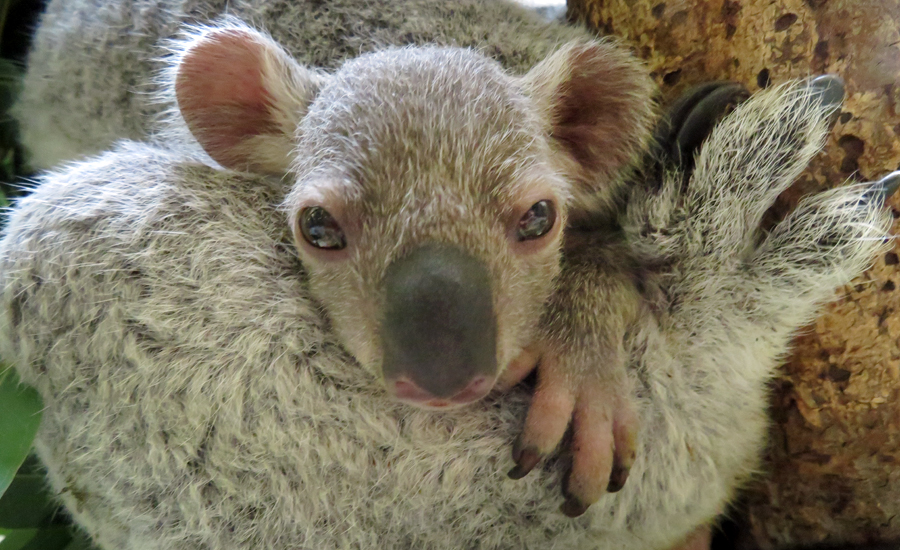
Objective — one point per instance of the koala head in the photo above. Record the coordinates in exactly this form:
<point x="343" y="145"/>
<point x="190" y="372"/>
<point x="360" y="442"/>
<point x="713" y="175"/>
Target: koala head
<point x="429" y="188"/>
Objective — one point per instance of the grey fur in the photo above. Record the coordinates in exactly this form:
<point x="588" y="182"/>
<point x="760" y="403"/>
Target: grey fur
<point x="196" y="397"/>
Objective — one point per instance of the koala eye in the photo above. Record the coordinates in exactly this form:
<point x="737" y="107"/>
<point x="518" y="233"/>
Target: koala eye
<point x="537" y="222"/>
<point x="320" y="229"/>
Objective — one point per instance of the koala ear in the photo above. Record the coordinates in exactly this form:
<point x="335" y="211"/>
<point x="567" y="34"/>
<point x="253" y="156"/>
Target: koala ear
<point x="596" y="101"/>
<point x="242" y="97"/>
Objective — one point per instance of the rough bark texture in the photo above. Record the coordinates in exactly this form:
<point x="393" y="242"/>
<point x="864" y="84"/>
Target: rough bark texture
<point x="833" y="469"/>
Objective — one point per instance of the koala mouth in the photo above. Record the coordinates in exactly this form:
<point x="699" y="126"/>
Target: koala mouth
<point x="408" y="391"/>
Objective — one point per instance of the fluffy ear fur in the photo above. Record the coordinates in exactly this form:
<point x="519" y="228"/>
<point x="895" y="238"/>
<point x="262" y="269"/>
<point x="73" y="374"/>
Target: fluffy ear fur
<point x="242" y="97"/>
<point x="596" y="101"/>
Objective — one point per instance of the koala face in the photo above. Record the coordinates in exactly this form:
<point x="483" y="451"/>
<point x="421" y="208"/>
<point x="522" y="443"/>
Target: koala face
<point x="429" y="174"/>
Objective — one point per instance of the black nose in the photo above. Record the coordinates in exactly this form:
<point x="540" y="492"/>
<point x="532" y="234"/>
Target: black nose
<point x="439" y="329"/>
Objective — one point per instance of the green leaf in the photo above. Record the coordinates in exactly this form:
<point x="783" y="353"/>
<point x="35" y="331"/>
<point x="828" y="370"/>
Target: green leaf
<point x="27" y="503"/>
<point x="8" y="171"/>
<point x="20" y="417"/>
<point x="16" y="539"/>
<point x="54" y="538"/>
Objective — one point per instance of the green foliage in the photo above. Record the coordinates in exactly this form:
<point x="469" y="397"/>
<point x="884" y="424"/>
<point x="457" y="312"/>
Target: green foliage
<point x="52" y="538"/>
<point x="56" y="538"/>
<point x="29" y="517"/>
<point x="20" y="416"/>
<point x="12" y="164"/>
<point x="11" y="157"/>
<point x="16" y="539"/>
<point x="5" y="5"/>
<point x="27" y="503"/>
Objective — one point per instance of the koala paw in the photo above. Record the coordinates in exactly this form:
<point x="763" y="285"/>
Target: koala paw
<point x="603" y="430"/>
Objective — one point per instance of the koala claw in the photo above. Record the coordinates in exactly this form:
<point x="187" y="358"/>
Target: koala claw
<point x="525" y="459"/>
<point x="705" y="114"/>
<point x="829" y="90"/>
<point x="884" y="188"/>
<point x="604" y="433"/>
<point x="622" y="460"/>
<point x="572" y="507"/>
<point x="691" y="118"/>
<point x="621" y="468"/>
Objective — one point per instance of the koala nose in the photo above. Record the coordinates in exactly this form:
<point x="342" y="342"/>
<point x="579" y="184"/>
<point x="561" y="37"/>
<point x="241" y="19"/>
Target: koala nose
<point x="439" y="330"/>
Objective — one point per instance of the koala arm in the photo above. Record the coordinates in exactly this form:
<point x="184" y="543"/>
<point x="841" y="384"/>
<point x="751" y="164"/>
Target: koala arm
<point x="582" y="373"/>
<point x="729" y="295"/>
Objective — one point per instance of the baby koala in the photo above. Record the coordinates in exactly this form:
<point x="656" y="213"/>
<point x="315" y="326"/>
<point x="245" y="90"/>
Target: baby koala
<point x="430" y="191"/>
<point x="430" y="186"/>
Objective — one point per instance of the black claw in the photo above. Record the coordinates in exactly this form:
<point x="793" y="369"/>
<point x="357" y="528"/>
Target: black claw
<point x="679" y="110"/>
<point x="702" y="118"/>
<point x="885" y="187"/>
<point x="526" y="459"/>
<point x="573" y="507"/>
<point x="617" y="478"/>
<point x="828" y="90"/>
<point x="691" y="118"/>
